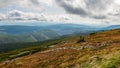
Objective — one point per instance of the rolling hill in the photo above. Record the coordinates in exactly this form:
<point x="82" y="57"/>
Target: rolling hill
<point x="19" y="33"/>
<point x="111" y="27"/>
<point x="29" y="37"/>
<point x="97" y="50"/>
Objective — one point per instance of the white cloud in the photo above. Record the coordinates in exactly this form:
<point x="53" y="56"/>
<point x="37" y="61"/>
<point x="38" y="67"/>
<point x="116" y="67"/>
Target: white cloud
<point x="19" y="15"/>
<point x="2" y="16"/>
<point x="28" y="16"/>
<point x="87" y="8"/>
<point x="32" y="4"/>
<point x="6" y="2"/>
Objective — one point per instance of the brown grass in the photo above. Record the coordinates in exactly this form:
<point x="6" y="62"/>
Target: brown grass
<point x="64" y="58"/>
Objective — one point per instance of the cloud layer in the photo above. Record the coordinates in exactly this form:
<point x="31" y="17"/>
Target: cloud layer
<point x="30" y="4"/>
<point x="6" y="2"/>
<point x="87" y="8"/>
<point x="76" y="10"/>
<point x="16" y="15"/>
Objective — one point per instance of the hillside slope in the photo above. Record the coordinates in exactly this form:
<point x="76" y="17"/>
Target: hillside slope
<point x="20" y="33"/>
<point x="35" y="36"/>
<point x="98" y="50"/>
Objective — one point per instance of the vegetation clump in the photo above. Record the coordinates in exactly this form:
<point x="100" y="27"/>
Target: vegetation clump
<point x="93" y="33"/>
<point x="81" y="39"/>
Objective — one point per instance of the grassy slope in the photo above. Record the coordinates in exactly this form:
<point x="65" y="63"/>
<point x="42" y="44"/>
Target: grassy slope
<point x="7" y="50"/>
<point x="100" y="50"/>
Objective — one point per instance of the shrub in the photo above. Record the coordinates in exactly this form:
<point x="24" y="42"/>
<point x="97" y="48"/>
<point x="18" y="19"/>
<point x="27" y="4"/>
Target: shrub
<point x="93" y="33"/>
<point x="81" y="39"/>
<point x="119" y="31"/>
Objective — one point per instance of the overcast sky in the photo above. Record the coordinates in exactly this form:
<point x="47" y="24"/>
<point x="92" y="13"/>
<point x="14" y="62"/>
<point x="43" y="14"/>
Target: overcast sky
<point x="93" y="12"/>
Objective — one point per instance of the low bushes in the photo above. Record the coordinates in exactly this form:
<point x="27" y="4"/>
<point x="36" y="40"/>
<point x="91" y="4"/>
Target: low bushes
<point x="81" y="39"/>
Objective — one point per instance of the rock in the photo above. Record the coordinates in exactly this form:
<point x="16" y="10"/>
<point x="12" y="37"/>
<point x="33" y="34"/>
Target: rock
<point x="6" y="62"/>
<point x="82" y="47"/>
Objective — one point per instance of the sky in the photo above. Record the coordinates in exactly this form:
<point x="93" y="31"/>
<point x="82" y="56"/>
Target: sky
<point x="90" y="12"/>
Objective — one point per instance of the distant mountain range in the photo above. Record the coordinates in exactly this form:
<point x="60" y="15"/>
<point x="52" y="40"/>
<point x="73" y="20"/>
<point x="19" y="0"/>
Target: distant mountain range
<point x="28" y="37"/>
<point x="19" y="33"/>
<point x="111" y="27"/>
<point x="14" y="34"/>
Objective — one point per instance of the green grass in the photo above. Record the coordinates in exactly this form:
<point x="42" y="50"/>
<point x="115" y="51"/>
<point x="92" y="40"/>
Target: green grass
<point x="103" y="61"/>
<point x="20" y="48"/>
